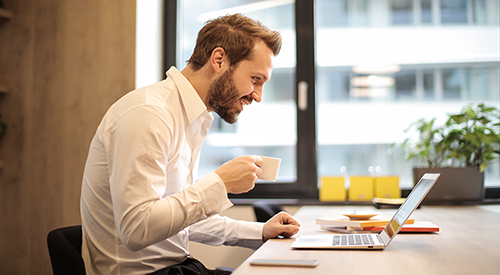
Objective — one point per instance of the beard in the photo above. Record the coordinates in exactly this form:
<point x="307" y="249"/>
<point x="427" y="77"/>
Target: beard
<point x="223" y="97"/>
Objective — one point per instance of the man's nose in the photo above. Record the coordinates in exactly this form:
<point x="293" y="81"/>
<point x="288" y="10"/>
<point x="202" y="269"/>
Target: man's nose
<point x="257" y="94"/>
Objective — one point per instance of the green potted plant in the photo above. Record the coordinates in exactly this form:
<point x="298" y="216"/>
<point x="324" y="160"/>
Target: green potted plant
<point x="460" y="150"/>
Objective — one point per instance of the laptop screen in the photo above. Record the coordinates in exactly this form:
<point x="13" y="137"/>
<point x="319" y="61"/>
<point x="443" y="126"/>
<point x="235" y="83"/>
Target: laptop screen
<point x="410" y="204"/>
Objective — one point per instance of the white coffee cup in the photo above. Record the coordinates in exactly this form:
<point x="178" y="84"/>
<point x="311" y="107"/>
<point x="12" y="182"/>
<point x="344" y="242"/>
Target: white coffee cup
<point x="270" y="167"/>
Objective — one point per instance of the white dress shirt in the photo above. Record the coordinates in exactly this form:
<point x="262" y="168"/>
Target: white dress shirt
<point x="140" y="205"/>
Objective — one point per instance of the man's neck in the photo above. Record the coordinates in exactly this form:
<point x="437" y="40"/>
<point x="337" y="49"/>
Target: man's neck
<point x="199" y="79"/>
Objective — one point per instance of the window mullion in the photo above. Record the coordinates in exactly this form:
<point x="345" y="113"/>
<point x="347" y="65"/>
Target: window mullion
<point x="306" y="121"/>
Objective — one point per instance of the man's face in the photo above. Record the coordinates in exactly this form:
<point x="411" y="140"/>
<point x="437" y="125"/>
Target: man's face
<point x="239" y="86"/>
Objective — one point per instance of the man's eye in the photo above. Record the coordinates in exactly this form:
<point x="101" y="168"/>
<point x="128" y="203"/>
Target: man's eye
<point x="256" y="79"/>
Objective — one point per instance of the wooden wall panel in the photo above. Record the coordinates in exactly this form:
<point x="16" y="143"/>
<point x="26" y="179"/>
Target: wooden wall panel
<point x="64" y="62"/>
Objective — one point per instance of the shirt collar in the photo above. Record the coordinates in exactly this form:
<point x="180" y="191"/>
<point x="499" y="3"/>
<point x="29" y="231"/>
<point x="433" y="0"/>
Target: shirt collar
<point x="192" y="102"/>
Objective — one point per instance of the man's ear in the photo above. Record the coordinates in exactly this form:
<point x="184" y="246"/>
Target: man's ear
<point x="218" y="59"/>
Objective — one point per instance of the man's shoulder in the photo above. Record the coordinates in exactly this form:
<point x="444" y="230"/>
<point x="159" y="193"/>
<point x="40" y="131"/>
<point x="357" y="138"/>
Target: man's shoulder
<point x="160" y="94"/>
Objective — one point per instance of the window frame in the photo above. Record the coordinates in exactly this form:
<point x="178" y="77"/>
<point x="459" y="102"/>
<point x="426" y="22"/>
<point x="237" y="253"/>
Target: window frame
<point x="306" y="184"/>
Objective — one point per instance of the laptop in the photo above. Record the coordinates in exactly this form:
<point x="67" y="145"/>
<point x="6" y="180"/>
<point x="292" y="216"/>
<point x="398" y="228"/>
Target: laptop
<point x="372" y="241"/>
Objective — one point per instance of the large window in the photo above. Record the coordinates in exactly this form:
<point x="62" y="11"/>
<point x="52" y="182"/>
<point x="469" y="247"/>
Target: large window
<point x="367" y="68"/>
<point x="409" y="60"/>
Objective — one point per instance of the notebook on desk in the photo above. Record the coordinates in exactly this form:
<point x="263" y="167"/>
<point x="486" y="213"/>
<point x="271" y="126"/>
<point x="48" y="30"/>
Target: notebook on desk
<point x="372" y="241"/>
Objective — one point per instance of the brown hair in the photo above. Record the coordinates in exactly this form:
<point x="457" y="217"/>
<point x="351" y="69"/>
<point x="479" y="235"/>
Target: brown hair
<point x="236" y="34"/>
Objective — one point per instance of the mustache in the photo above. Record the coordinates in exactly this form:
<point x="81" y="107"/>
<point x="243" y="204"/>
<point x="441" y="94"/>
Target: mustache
<point x="247" y="98"/>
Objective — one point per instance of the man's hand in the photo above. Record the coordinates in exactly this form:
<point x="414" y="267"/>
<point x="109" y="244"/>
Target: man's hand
<point x="282" y="224"/>
<point x="240" y="174"/>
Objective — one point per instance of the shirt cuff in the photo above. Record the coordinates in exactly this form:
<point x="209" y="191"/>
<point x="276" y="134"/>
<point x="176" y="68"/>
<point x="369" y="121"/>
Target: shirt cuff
<point x="214" y="194"/>
<point x="250" y="234"/>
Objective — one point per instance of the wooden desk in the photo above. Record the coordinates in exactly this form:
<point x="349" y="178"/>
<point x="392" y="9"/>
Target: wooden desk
<point x="468" y="243"/>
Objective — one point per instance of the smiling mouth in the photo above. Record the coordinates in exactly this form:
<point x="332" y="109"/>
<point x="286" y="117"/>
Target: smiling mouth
<point x="246" y="100"/>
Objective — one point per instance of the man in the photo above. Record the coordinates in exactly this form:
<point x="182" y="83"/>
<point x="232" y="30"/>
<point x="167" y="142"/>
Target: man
<point x="140" y="205"/>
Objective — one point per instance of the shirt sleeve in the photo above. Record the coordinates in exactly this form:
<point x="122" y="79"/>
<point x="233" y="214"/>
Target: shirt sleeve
<point x="136" y="148"/>
<point x="219" y="230"/>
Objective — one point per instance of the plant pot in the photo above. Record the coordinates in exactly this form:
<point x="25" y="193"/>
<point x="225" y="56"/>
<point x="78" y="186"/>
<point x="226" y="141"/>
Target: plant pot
<point x="455" y="185"/>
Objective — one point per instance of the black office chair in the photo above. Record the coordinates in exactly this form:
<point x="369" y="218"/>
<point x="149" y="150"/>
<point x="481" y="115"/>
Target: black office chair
<point x="65" y="250"/>
<point x="266" y="209"/>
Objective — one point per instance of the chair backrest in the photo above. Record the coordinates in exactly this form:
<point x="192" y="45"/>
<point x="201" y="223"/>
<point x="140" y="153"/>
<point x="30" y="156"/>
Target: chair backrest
<point x="65" y="248"/>
<point x="266" y="209"/>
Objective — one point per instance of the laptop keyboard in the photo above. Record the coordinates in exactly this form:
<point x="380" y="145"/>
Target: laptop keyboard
<point x="353" y="239"/>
